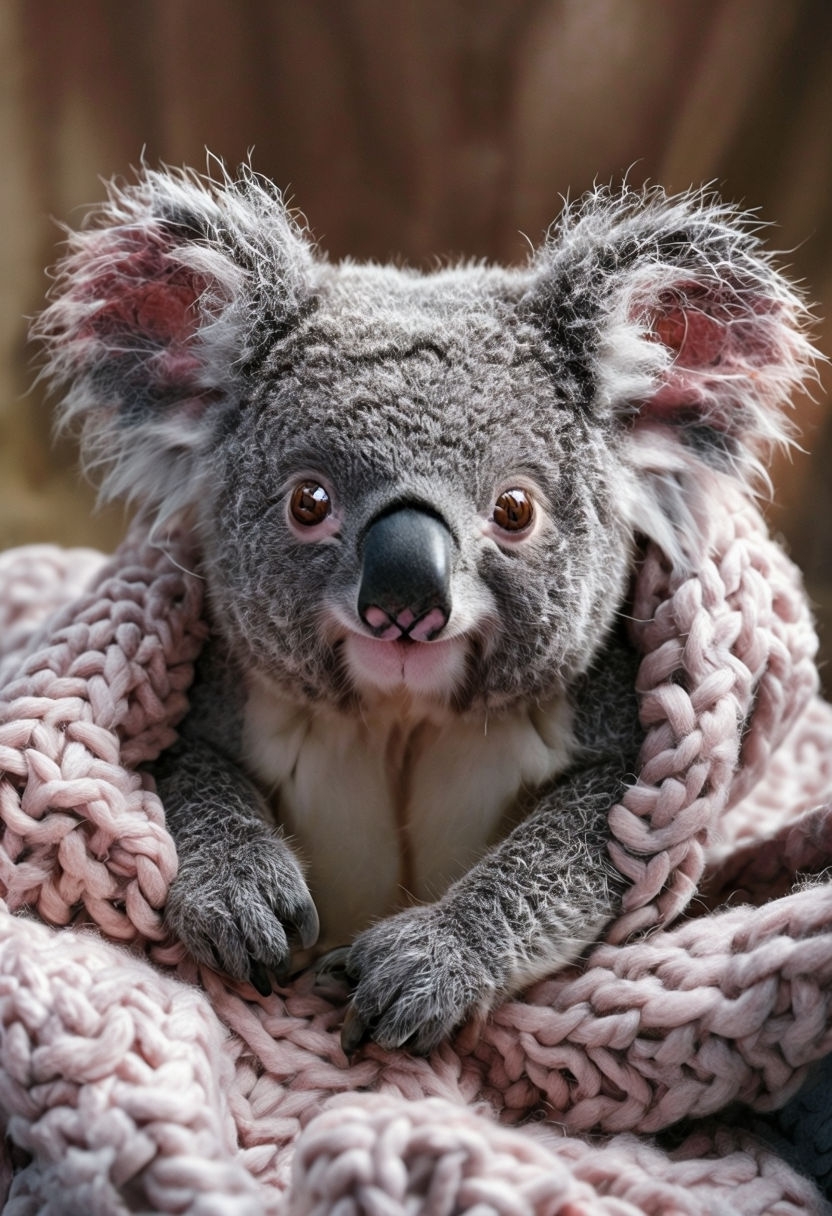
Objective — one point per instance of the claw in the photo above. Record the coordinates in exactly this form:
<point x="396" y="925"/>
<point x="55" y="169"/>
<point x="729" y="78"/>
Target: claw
<point x="283" y="973"/>
<point x="330" y="972"/>
<point x="354" y="1032"/>
<point x="259" y="977"/>
<point x="307" y="927"/>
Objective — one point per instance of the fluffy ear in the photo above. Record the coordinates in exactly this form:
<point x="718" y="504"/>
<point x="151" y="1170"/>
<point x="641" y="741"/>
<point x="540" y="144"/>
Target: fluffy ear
<point x="160" y="302"/>
<point x="672" y="319"/>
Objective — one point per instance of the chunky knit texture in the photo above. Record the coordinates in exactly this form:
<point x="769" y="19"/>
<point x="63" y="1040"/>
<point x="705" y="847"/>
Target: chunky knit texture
<point x="130" y="1080"/>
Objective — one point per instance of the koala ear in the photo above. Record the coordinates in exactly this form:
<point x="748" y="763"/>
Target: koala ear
<point x="691" y="341"/>
<point x="160" y="302"/>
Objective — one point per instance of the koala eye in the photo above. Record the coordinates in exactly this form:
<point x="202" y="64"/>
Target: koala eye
<point x="513" y="510"/>
<point x="310" y="504"/>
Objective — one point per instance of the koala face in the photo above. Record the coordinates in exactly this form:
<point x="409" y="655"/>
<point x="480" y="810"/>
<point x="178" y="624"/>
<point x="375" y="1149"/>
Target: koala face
<point x="427" y="484"/>
<point x="446" y="413"/>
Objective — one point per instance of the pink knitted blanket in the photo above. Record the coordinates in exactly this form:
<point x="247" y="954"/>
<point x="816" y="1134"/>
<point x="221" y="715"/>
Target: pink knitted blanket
<point x="131" y="1081"/>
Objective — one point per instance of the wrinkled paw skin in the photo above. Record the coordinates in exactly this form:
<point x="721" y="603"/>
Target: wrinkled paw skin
<point x="242" y="908"/>
<point x="416" y="979"/>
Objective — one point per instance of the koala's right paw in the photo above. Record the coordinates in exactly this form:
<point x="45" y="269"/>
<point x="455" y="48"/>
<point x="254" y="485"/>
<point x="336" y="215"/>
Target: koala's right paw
<point x="242" y="906"/>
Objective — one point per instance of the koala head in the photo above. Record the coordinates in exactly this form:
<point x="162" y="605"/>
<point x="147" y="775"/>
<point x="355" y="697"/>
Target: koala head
<point x="423" y="483"/>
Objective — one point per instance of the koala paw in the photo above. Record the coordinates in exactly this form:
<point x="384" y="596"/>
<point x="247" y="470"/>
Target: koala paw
<point x="416" y="978"/>
<point x="242" y="906"/>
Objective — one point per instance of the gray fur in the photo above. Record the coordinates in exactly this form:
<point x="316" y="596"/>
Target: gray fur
<point x="212" y="359"/>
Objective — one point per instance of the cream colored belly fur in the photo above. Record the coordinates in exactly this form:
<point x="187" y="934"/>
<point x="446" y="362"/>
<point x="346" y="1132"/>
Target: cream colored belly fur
<point x="389" y="807"/>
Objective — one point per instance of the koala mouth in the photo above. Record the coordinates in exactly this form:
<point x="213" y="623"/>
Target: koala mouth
<point x="432" y="671"/>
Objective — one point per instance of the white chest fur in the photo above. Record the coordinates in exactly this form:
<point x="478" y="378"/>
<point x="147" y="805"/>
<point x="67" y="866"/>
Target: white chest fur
<point x="390" y="806"/>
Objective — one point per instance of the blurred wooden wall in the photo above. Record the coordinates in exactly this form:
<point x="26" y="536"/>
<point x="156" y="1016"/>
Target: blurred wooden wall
<point x="406" y="128"/>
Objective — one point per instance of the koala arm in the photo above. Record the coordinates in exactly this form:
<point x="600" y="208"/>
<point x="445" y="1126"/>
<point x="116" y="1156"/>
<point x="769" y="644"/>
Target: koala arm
<point x="239" y="901"/>
<point x="531" y="905"/>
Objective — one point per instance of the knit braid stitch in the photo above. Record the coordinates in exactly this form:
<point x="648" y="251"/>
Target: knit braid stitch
<point x="113" y="1081"/>
<point x="728" y="667"/>
<point x="37" y="581"/>
<point x="100" y="696"/>
<point x="97" y="1048"/>
<point x="430" y="1156"/>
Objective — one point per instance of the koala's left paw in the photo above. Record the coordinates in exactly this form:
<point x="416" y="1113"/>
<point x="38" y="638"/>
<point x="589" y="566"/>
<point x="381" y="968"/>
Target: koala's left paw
<point x="417" y="978"/>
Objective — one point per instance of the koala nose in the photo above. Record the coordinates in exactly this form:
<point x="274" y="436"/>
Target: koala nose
<point x="405" y="587"/>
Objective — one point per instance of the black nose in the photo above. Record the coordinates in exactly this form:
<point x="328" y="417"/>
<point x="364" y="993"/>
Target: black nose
<point x="406" y="576"/>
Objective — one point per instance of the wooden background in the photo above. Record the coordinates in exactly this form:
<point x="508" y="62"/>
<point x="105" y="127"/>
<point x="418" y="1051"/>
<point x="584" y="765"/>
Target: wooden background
<point x="408" y="128"/>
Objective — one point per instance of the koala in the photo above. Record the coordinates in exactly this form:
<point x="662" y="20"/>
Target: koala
<point x="418" y="500"/>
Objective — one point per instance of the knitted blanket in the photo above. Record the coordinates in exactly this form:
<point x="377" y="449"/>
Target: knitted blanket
<point x="131" y="1080"/>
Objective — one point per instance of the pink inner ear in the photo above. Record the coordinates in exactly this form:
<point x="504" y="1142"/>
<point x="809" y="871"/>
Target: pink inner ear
<point x="143" y="313"/>
<point x="166" y="309"/>
<point x="141" y="292"/>
<point x="698" y="340"/>
<point x="714" y="338"/>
